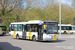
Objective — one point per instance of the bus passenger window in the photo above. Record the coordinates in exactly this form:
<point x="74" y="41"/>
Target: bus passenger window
<point x="70" y="28"/>
<point x="35" y="29"/>
<point x="29" y="28"/>
<point x="19" y="27"/>
<point x="32" y="29"/>
<point x="15" y="27"/>
<point x="12" y="27"/>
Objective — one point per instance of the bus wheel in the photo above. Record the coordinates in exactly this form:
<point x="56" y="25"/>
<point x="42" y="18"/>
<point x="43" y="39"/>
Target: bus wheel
<point x="3" y="34"/>
<point x="72" y="33"/>
<point x="17" y="36"/>
<point x="65" y="32"/>
<point x="33" y="38"/>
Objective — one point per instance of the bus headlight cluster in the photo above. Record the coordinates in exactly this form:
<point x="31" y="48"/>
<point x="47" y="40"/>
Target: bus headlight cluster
<point x="51" y="37"/>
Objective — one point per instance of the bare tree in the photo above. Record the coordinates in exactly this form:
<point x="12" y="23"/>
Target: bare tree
<point x="8" y="6"/>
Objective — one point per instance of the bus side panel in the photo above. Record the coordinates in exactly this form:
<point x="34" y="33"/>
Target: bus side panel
<point x="27" y="34"/>
<point x="55" y="37"/>
<point x="12" y="32"/>
<point x="36" y="35"/>
<point x="19" y="33"/>
<point x="14" y="35"/>
<point x="63" y="31"/>
<point x="73" y="31"/>
<point x="0" y="31"/>
<point x="30" y="34"/>
<point x="69" y="31"/>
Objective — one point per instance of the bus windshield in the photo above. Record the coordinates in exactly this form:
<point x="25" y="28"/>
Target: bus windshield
<point x="51" y="28"/>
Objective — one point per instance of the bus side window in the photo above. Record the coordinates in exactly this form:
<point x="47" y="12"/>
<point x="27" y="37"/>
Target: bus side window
<point x="73" y="28"/>
<point x="19" y="27"/>
<point x="62" y="28"/>
<point x="29" y="28"/>
<point x="70" y="28"/>
<point x="15" y="27"/>
<point x="58" y="27"/>
<point x="9" y="29"/>
<point x="12" y="27"/>
<point x="34" y="28"/>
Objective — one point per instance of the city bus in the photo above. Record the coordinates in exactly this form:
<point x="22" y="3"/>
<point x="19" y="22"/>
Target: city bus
<point x="9" y="29"/>
<point x="2" y="30"/>
<point x="73" y="29"/>
<point x="35" y="30"/>
<point x="65" y="29"/>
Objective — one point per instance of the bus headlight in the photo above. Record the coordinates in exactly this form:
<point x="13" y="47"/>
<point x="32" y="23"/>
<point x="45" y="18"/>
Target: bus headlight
<point x="51" y="37"/>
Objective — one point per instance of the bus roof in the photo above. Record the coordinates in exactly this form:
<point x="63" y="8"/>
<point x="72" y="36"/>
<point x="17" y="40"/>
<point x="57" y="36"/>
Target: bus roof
<point x="2" y="25"/>
<point x="27" y="22"/>
<point x="18" y="23"/>
<point x="73" y="25"/>
<point x="65" y="25"/>
<point x="35" y="21"/>
<point x="32" y="22"/>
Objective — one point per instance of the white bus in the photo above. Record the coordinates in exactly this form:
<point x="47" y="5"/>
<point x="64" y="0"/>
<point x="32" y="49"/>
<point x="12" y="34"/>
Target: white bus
<point x="9" y="29"/>
<point x="65" y="29"/>
<point x="35" y="30"/>
<point x="73" y="29"/>
<point x="2" y="30"/>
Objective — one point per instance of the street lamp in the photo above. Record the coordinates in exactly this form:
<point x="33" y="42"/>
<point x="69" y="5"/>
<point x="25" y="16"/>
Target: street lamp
<point x="60" y="15"/>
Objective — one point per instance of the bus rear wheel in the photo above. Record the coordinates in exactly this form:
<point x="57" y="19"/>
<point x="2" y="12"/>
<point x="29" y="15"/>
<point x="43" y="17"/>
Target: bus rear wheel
<point x="3" y="34"/>
<point x="65" y="32"/>
<point x="17" y="36"/>
<point x="33" y="38"/>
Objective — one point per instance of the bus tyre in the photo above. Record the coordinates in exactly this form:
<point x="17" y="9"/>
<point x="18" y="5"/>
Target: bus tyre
<point x="65" y="32"/>
<point x="72" y="33"/>
<point x="17" y="36"/>
<point x="33" y="38"/>
<point x="3" y="34"/>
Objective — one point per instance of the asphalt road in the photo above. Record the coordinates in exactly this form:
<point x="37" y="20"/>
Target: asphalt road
<point x="65" y="42"/>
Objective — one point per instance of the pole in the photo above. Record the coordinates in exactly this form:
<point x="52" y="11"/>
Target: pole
<point x="60" y="15"/>
<point x="17" y="18"/>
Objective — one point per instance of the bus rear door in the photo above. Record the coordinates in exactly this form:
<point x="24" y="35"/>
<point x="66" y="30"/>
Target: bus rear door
<point x="24" y="31"/>
<point x="40" y="34"/>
